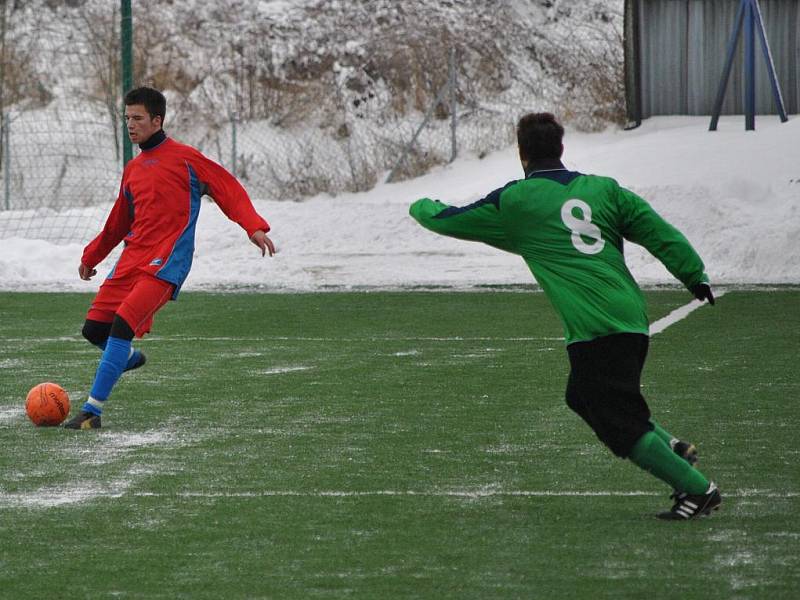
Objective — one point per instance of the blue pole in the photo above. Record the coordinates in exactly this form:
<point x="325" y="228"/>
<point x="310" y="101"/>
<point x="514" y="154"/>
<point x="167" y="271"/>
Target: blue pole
<point x="726" y="71"/>
<point x="749" y="69"/>
<point x="773" y="78"/>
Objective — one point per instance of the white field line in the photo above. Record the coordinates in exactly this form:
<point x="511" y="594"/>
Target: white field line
<point x="11" y="413"/>
<point x="281" y="370"/>
<point x="397" y="493"/>
<point x="451" y="494"/>
<point x="289" y="338"/>
<point x="678" y="314"/>
<point x="59" y="497"/>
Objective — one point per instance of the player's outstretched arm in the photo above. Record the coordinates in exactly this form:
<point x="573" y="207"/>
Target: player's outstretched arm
<point x="478" y="222"/>
<point x="230" y="196"/>
<point x="261" y="239"/>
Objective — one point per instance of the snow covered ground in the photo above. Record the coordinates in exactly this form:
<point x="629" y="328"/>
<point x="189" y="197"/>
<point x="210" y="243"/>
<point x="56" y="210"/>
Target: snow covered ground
<point x="735" y="194"/>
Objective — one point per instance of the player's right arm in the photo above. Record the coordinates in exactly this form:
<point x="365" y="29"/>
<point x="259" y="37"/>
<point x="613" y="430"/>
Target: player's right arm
<point x="117" y="226"/>
<point x="478" y="222"/>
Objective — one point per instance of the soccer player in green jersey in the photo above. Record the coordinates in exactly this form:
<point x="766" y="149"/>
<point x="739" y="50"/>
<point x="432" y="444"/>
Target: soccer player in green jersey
<point x="569" y="228"/>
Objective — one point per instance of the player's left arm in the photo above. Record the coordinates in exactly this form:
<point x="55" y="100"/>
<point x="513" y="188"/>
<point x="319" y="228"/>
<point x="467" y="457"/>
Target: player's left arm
<point x="480" y="221"/>
<point x="644" y="226"/>
<point x="234" y="201"/>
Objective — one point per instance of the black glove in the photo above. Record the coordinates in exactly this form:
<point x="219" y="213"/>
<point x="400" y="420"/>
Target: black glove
<point x="702" y="291"/>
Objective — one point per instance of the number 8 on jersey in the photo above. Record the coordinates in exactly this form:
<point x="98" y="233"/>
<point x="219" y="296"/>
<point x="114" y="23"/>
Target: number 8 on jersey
<point x="582" y="227"/>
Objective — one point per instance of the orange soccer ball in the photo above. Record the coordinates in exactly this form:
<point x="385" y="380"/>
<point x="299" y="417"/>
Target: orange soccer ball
<point x="47" y="404"/>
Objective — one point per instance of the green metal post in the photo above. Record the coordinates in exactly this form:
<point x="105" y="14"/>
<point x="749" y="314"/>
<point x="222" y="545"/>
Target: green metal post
<point x="126" y="43"/>
<point x="452" y="76"/>
<point x="7" y="159"/>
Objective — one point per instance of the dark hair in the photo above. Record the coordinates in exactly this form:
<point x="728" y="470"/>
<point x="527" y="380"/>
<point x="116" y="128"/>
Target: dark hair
<point x="539" y="136"/>
<point x="153" y="101"/>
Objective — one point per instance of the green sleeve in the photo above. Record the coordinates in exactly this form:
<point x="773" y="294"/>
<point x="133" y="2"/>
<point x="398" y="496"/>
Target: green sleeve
<point x="644" y="226"/>
<point x="478" y="222"/>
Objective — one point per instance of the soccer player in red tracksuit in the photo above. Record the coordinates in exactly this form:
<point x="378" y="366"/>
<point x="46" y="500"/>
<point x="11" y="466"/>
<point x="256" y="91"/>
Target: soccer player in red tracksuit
<point x="155" y="216"/>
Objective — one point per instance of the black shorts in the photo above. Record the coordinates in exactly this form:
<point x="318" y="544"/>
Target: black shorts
<point x="603" y="388"/>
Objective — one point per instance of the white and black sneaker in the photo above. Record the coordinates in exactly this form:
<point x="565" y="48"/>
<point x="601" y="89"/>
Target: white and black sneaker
<point x="691" y="506"/>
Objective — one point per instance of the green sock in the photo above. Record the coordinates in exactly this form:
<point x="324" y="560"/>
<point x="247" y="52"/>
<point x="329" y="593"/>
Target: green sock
<point x="654" y="455"/>
<point x="663" y="433"/>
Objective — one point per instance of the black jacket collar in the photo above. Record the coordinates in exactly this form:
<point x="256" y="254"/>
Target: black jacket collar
<point x="154" y="140"/>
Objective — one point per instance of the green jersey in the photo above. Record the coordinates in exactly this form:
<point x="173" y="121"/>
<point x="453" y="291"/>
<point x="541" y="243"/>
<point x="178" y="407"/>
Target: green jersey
<point x="569" y="228"/>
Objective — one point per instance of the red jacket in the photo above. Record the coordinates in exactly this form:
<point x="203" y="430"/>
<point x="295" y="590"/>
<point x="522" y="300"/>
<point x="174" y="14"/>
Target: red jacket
<point x="157" y="207"/>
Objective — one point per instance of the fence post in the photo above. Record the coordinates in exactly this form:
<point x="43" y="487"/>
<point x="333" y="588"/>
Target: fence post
<point x="7" y="159"/>
<point x="126" y="50"/>
<point x="440" y="98"/>
<point x="453" y="107"/>
<point x="234" y="118"/>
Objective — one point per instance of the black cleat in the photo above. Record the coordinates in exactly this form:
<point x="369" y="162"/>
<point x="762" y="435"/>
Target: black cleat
<point x="686" y="451"/>
<point x="83" y="420"/>
<point x="138" y="363"/>
<point x="692" y="506"/>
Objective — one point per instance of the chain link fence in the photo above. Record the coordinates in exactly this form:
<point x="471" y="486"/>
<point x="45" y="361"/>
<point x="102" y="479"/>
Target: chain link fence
<point x="292" y="162"/>
<point x="321" y="120"/>
<point x="60" y="148"/>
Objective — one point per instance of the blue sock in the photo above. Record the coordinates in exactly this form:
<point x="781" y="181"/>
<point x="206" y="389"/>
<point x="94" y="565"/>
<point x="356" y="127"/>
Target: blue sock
<point x="112" y="364"/>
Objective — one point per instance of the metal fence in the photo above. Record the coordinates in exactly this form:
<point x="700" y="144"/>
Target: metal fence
<point x="60" y="159"/>
<point x="329" y="130"/>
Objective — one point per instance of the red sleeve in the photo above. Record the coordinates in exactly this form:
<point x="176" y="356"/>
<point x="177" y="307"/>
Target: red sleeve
<point x="116" y="228"/>
<point x="229" y="195"/>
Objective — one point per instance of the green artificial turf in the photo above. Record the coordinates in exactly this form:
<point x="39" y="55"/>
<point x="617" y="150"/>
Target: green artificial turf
<point x="392" y="445"/>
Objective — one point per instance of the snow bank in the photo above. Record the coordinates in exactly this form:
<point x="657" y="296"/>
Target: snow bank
<point x="735" y="194"/>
